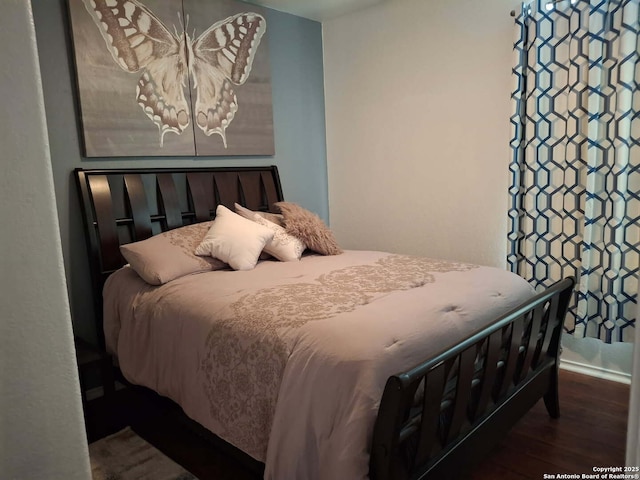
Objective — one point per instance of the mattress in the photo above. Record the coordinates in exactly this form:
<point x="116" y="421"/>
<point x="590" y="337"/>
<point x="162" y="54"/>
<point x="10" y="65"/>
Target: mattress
<point x="288" y="361"/>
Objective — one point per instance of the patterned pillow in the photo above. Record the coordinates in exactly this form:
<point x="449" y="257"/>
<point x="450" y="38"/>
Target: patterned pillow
<point x="272" y="217"/>
<point x="283" y="246"/>
<point x="234" y="240"/>
<point x="169" y="255"/>
<point x="309" y="228"/>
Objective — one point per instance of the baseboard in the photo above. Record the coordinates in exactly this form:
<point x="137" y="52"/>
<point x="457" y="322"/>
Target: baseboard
<point x="595" y="371"/>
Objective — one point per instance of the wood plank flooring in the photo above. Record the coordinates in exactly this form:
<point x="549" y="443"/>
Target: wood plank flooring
<point x="591" y="431"/>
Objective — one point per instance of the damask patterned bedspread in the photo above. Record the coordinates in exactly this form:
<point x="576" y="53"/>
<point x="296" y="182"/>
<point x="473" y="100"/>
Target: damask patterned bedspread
<point x="288" y="361"/>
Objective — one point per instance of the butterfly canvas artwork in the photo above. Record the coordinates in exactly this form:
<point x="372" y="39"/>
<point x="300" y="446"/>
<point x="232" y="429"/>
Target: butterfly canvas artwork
<point x="172" y="77"/>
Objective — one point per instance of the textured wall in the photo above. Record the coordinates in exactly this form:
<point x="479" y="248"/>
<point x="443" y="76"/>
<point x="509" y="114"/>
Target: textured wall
<point x="41" y="424"/>
<point x="295" y="49"/>
<point x="417" y="106"/>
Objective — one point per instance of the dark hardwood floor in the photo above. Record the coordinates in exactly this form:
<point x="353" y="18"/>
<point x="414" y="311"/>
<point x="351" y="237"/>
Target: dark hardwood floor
<point x="591" y="431"/>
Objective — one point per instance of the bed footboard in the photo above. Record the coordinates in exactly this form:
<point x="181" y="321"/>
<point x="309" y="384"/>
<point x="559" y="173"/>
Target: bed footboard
<point x="449" y="411"/>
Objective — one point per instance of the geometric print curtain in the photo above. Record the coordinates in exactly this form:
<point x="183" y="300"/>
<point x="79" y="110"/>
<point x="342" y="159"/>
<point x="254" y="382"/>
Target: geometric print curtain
<point x="574" y="174"/>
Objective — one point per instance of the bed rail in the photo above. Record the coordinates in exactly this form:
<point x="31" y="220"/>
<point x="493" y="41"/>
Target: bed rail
<point x="451" y="410"/>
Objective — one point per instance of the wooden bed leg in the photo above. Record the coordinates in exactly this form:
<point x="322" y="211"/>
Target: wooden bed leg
<point x="551" y="398"/>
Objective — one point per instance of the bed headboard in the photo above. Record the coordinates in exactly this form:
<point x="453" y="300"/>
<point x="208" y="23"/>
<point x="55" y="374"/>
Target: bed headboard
<point x="128" y="205"/>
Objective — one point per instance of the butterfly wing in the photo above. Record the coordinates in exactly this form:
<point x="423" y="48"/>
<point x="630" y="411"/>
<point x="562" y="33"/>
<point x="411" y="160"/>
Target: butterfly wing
<point x="138" y="40"/>
<point x="222" y="56"/>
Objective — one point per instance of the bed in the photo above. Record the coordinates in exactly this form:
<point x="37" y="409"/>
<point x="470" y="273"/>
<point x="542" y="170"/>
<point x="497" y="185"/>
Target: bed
<point x="357" y="365"/>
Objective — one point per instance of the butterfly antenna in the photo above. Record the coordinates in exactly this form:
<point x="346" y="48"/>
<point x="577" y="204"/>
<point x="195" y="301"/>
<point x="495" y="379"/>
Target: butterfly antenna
<point x="175" y="30"/>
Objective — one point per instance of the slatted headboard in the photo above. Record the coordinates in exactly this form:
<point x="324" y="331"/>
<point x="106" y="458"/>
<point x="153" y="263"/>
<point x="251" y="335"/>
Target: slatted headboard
<point x="128" y="205"/>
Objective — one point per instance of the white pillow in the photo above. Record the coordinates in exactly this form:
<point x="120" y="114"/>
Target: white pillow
<point x="234" y="240"/>
<point x="283" y="246"/>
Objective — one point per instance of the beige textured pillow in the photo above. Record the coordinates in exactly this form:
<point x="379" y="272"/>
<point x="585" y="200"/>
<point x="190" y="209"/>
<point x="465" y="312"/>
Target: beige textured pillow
<point x="309" y="228"/>
<point x="246" y="213"/>
<point x="234" y="240"/>
<point x="169" y="255"/>
<point x="283" y="246"/>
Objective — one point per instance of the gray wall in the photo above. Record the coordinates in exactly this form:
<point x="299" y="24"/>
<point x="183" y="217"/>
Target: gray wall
<point x="295" y="49"/>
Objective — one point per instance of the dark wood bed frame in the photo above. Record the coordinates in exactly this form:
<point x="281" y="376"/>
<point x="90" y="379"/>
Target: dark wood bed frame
<point x="434" y="420"/>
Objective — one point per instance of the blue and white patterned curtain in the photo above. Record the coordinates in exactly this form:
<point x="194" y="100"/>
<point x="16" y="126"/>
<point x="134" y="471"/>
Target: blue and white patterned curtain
<point x="575" y="179"/>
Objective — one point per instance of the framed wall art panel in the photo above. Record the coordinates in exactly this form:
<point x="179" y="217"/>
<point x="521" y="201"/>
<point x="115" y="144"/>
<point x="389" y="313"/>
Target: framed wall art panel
<point x="172" y="77"/>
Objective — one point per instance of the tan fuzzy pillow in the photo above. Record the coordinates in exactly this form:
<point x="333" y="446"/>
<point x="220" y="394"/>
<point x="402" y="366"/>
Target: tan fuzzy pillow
<point x="309" y="228"/>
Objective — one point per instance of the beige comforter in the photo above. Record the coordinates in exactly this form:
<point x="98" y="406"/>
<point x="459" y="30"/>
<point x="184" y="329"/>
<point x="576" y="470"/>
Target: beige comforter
<point x="288" y="361"/>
